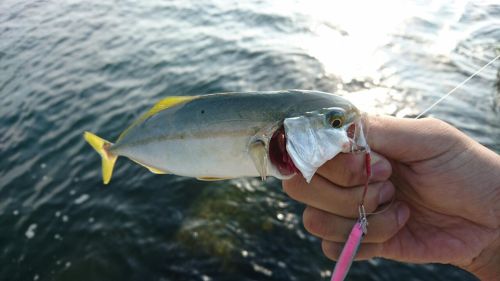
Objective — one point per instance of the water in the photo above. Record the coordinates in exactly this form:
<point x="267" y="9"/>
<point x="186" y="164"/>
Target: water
<point x="70" y="66"/>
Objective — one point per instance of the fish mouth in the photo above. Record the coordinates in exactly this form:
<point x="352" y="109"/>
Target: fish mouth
<point x="356" y="136"/>
<point x="351" y="135"/>
<point x="278" y="154"/>
<point x="282" y="161"/>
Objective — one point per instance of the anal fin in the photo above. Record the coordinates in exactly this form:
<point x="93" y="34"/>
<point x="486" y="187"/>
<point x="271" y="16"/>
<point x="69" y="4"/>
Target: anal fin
<point x="211" y="179"/>
<point x="152" y="169"/>
<point x="156" y="171"/>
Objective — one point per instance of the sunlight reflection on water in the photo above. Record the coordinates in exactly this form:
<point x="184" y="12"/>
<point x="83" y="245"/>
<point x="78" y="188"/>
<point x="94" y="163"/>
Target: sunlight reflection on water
<point x="67" y="67"/>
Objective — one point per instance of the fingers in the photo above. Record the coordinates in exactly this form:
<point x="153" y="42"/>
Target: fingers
<point x="381" y="227"/>
<point x="348" y="169"/>
<point x="323" y="194"/>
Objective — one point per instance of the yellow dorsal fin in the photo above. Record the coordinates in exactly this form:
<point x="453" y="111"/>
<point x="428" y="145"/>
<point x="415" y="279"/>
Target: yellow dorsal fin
<point x="211" y="179"/>
<point x="159" y="106"/>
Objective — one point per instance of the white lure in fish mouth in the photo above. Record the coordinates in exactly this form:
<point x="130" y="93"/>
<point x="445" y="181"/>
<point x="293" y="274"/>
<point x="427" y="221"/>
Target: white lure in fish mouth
<point x="310" y="145"/>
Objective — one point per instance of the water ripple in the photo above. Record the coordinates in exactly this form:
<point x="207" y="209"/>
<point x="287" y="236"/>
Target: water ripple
<point x="67" y="67"/>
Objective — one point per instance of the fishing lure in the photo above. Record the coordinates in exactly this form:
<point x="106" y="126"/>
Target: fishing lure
<point x="360" y="228"/>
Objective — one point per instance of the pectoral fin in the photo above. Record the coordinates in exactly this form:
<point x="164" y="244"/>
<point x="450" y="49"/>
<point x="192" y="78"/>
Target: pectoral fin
<point x="258" y="152"/>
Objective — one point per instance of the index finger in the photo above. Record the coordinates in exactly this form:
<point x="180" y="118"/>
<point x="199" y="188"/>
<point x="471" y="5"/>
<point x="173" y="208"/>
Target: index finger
<point x="348" y="169"/>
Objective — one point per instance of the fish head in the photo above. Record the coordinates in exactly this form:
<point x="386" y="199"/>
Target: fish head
<point x="316" y="137"/>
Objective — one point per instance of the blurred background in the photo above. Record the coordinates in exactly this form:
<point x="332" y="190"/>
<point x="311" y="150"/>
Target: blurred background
<point x="71" y="65"/>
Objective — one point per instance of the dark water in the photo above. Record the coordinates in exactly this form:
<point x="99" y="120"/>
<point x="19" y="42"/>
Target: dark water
<point x="70" y="66"/>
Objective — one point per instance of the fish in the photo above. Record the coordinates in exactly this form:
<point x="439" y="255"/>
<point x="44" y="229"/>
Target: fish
<point x="238" y="134"/>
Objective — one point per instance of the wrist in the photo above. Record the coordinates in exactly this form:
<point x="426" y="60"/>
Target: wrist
<point x="486" y="265"/>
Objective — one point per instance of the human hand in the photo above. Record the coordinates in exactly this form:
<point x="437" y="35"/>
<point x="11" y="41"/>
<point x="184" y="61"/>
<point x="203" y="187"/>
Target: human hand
<point x="445" y="187"/>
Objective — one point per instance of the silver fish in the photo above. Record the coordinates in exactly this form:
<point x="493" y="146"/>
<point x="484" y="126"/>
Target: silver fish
<point x="231" y="135"/>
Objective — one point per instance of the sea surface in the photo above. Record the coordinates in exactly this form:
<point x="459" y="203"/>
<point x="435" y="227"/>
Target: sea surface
<point x="71" y="65"/>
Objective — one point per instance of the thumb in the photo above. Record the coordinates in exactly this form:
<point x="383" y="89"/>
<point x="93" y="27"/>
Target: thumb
<point x="409" y="140"/>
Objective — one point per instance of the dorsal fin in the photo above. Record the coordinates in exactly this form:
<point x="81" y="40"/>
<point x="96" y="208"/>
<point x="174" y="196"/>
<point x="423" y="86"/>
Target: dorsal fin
<point x="159" y="106"/>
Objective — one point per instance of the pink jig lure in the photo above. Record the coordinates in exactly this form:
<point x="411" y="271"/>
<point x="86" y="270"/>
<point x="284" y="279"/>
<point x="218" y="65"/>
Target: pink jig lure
<point x="357" y="233"/>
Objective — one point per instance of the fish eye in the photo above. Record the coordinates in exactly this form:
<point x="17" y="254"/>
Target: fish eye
<point x="336" y="122"/>
<point x="335" y="117"/>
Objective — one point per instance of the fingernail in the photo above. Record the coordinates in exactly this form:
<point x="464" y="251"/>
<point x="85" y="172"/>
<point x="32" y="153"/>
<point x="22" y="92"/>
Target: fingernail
<point x="381" y="170"/>
<point x="403" y="212"/>
<point x="375" y="158"/>
<point x="386" y="193"/>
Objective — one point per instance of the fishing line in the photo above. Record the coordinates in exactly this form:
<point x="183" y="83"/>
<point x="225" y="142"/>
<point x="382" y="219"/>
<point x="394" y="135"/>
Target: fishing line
<point x="429" y="108"/>
<point x="458" y="86"/>
<point x="359" y="230"/>
<point x="387" y="207"/>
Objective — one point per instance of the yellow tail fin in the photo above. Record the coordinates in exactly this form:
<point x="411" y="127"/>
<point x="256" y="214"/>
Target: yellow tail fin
<point x="108" y="159"/>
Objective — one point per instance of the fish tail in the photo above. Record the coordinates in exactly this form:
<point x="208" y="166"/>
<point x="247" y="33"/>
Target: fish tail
<point x="102" y="147"/>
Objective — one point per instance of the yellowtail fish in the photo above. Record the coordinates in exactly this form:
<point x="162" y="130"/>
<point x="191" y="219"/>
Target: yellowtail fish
<point x="231" y="135"/>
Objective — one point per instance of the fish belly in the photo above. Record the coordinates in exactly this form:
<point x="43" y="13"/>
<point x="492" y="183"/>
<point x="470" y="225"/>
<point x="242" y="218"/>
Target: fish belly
<point x="215" y="157"/>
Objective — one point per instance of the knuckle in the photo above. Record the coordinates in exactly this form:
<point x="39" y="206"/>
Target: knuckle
<point x="345" y="170"/>
<point x="378" y="238"/>
<point x="349" y="178"/>
<point x="376" y="198"/>
<point x="292" y="187"/>
<point x="390" y="227"/>
<point x="313" y="222"/>
<point x="370" y="206"/>
<point x="434" y="122"/>
<point x="351" y="172"/>
<point x="448" y="131"/>
<point x="329" y="250"/>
